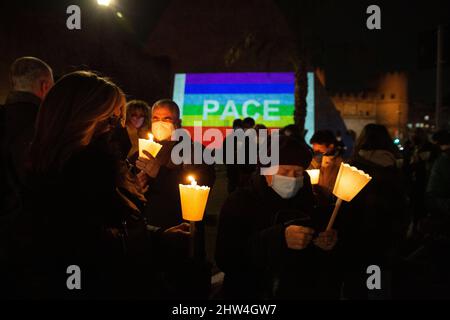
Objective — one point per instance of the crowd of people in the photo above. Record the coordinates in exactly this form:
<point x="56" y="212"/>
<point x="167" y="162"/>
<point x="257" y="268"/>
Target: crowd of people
<point x="76" y="192"/>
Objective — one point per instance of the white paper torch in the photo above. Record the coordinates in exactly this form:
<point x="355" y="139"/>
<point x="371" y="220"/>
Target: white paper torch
<point x="349" y="182"/>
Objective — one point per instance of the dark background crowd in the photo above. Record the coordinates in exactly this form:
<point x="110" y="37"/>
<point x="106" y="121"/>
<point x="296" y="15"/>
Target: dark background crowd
<point x="75" y="192"/>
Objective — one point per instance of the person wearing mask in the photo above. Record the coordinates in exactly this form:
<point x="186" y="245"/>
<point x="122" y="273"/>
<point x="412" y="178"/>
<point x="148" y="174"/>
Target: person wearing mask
<point x="328" y="159"/>
<point x="73" y="214"/>
<point x="161" y="176"/>
<point x="374" y="223"/>
<point x="269" y="244"/>
<point x="31" y="79"/>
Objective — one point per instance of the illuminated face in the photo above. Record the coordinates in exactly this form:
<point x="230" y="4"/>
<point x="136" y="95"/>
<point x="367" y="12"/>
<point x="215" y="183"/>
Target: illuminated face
<point x="165" y="114"/>
<point x="291" y="171"/>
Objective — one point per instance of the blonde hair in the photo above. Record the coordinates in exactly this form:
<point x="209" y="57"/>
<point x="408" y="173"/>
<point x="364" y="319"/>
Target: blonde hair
<point x="77" y="107"/>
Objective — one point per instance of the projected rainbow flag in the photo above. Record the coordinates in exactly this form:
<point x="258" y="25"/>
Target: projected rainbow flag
<point x="216" y="99"/>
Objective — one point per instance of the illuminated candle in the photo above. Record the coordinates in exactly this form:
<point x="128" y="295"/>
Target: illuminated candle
<point x="314" y="175"/>
<point x="193" y="200"/>
<point x="349" y="182"/>
<point x="148" y="145"/>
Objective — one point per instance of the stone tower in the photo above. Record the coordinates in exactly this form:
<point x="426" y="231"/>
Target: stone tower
<point x="392" y="102"/>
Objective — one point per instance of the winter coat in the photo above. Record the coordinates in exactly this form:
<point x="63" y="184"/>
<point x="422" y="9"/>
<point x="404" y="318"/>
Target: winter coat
<point x="19" y="115"/>
<point x="77" y="217"/>
<point x="329" y="168"/>
<point x="251" y="249"/>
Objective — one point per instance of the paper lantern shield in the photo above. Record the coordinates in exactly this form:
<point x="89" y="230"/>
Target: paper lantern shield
<point x="314" y="175"/>
<point x="349" y="182"/>
<point x="193" y="201"/>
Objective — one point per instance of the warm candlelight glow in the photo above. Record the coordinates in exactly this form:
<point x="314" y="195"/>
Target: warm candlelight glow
<point x="104" y="3"/>
<point x="349" y="182"/>
<point x="150" y="146"/>
<point x="314" y="175"/>
<point x="193" y="200"/>
<point x="191" y="179"/>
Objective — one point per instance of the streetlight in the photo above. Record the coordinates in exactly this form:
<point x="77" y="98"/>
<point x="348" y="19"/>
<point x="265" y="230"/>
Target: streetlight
<point x="104" y="3"/>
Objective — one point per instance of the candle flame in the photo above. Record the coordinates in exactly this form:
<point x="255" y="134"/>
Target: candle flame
<point x="192" y="180"/>
<point x="150" y="137"/>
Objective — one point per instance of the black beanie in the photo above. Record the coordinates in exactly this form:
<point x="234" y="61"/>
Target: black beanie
<point x="293" y="151"/>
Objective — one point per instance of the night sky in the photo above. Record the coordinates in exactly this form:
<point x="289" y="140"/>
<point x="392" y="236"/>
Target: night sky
<point x="351" y="55"/>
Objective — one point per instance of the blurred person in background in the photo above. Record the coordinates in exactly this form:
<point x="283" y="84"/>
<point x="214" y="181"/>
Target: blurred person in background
<point x="185" y="277"/>
<point x="31" y="79"/>
<point x="373" y="225"/>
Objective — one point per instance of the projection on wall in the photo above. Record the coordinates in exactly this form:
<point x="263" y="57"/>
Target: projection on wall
<point x="216" y="99"/>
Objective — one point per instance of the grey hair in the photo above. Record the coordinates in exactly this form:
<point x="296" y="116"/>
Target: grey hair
<point x="167" y="103"/>
<point x="27" y="71"/>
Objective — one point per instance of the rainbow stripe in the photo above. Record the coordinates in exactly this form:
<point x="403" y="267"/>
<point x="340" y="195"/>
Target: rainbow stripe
<point x="217" y="99"/>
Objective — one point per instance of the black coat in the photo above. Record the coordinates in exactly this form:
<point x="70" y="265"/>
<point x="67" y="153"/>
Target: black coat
<point x="186" y="278"/>
<point x="164" y="205"/>
<point x="251" y="249"/>
<point x="75" y="217"/>
<point x="374" y="223"/>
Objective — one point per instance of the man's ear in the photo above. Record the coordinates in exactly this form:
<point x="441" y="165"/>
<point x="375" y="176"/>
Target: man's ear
<point x="178" y="123"/>
<point x="44" y="88"/>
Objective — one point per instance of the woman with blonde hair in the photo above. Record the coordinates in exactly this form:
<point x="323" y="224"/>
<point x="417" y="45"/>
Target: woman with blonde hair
<point x="74" y="217"/>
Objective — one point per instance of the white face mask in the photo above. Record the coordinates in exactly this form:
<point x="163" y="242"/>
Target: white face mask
<point x="162" y="130"/>
<point x="286" y="187"/>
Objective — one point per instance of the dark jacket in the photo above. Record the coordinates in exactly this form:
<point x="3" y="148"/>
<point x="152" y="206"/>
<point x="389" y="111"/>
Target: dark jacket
<point x="329" y="169"/>
<point x="19" y="114"/>
<point x="164" y="206"/>
<point x="251" y="249"/>
<point x="438" y="195"/>
<point x="374" y="223"/>
<point x="76" y="217"/>
<point x="185" y="278"/>
<point x="238" y="174"/>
